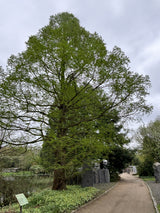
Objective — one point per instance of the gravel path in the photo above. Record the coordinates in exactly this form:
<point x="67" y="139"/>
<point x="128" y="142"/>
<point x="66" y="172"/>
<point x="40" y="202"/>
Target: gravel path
<point x="155" y="188"/>
<point x="130" y="195"/>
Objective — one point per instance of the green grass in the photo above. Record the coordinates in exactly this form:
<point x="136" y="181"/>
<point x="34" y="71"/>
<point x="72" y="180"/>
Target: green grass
<point x="158" y="207"/>
<point x="20" y="173"/>
<point x="49" y="201"/>
<point x="148" y="178"/>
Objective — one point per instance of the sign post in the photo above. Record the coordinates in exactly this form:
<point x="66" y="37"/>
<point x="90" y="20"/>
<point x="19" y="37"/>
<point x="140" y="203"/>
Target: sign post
<point x="22" y="200"/>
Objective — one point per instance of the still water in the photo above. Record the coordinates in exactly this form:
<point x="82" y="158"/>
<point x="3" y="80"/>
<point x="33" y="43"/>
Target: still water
<point x="12" y="185"/>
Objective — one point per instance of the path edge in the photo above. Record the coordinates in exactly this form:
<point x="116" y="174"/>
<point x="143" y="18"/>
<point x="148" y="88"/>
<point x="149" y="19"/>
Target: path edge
<point x="96" y="198"/>
<point x="153" y="199"/>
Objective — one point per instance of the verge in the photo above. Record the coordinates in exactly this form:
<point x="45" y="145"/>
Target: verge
<point x="153" y="199"/>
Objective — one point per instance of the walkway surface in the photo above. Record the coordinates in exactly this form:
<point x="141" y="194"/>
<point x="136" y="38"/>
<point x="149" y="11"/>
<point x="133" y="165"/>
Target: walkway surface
<point x="130" y="195"/>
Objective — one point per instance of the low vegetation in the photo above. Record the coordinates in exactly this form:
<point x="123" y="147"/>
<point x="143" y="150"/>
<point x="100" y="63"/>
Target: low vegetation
<point x="50" y="201"/>
<point x="148" y="178"/>
<point x="20" y="173"/>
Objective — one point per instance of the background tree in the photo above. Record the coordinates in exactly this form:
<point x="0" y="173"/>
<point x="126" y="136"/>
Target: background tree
<point x="115" y="138"/>
<point x="149" y="140"/>
<point x="20" y="157"/>
<point x="57" y="77"/>
<point x="119" y="158"/>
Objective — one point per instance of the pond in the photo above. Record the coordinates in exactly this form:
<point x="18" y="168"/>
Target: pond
<point x="11" y="185"/>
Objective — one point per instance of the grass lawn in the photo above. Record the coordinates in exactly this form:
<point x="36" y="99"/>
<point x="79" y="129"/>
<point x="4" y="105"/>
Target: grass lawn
<point x="148" y="178"/>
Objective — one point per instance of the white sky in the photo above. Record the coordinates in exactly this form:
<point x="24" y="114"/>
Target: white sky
<point x="132" y="25"/>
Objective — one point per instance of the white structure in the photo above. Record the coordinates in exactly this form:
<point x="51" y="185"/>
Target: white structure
<point x="133" y="169"/>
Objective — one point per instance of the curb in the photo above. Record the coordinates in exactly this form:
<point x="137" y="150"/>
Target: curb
<point x="153" y="199"/>
<point x="96" y="198"/>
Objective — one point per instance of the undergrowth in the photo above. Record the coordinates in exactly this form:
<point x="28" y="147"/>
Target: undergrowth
<point x="49" y="201"/>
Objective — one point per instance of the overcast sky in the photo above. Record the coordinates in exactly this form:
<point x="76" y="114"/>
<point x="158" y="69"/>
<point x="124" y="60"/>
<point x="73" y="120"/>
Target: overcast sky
<point x="134" y="26"/>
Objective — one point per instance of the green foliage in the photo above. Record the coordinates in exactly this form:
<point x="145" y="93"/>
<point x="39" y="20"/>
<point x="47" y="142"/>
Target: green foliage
<point x="149" y="139"/>
<point x="20" y="157"/>
<point x="20" y="173"/>
<point x="135" y="160"/>
<point x="76" y="152"/>
<point x="8" y="161"/>
<point x="149" y="153"/>
<point x="59" y="201"/>
<point x="36" y="169"/>
<point x="95" y="141"/>
<point x="61" y="85"/>
<point x="119" y="158"/>
<point x="58" y="75"/>
<point x="9" y="156"/>
<point x="145" y="168"/>
<point x="148" y="178"/>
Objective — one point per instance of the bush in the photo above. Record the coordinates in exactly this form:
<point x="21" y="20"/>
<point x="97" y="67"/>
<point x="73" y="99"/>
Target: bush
<point x="145" y="168"/>
<point x="37" y="169"/>
<point x="114" y="176"/>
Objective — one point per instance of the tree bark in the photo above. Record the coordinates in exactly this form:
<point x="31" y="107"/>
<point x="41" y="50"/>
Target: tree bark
<point x="59" y="182"/>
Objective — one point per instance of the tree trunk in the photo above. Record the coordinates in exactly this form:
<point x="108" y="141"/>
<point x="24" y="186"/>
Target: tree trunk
<point x="59" y="182"/>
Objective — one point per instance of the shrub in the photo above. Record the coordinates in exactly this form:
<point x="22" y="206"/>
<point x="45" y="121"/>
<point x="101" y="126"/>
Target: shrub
<point x="37" y="169"/>
<point x="145" y="168"/>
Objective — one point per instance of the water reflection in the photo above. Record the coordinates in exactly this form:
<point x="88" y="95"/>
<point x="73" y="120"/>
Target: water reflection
<point x="11" y="185"/>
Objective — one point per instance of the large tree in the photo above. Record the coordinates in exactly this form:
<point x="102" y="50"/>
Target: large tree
<point x="64" y="80"/>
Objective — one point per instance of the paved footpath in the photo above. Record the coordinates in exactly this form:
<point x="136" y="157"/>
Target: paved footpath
<point x="130" y="195"/>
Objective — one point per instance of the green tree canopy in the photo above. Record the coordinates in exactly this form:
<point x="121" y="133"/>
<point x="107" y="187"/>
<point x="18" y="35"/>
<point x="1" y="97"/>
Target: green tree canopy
<point x="61" y="63"/>
<point x="65" y="79"/>
<point x="149" y="139"/>
<point x="149" y="151"/>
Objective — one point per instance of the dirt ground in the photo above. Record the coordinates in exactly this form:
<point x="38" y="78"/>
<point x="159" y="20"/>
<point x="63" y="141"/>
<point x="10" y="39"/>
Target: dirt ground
<point x="130" y="195"/>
